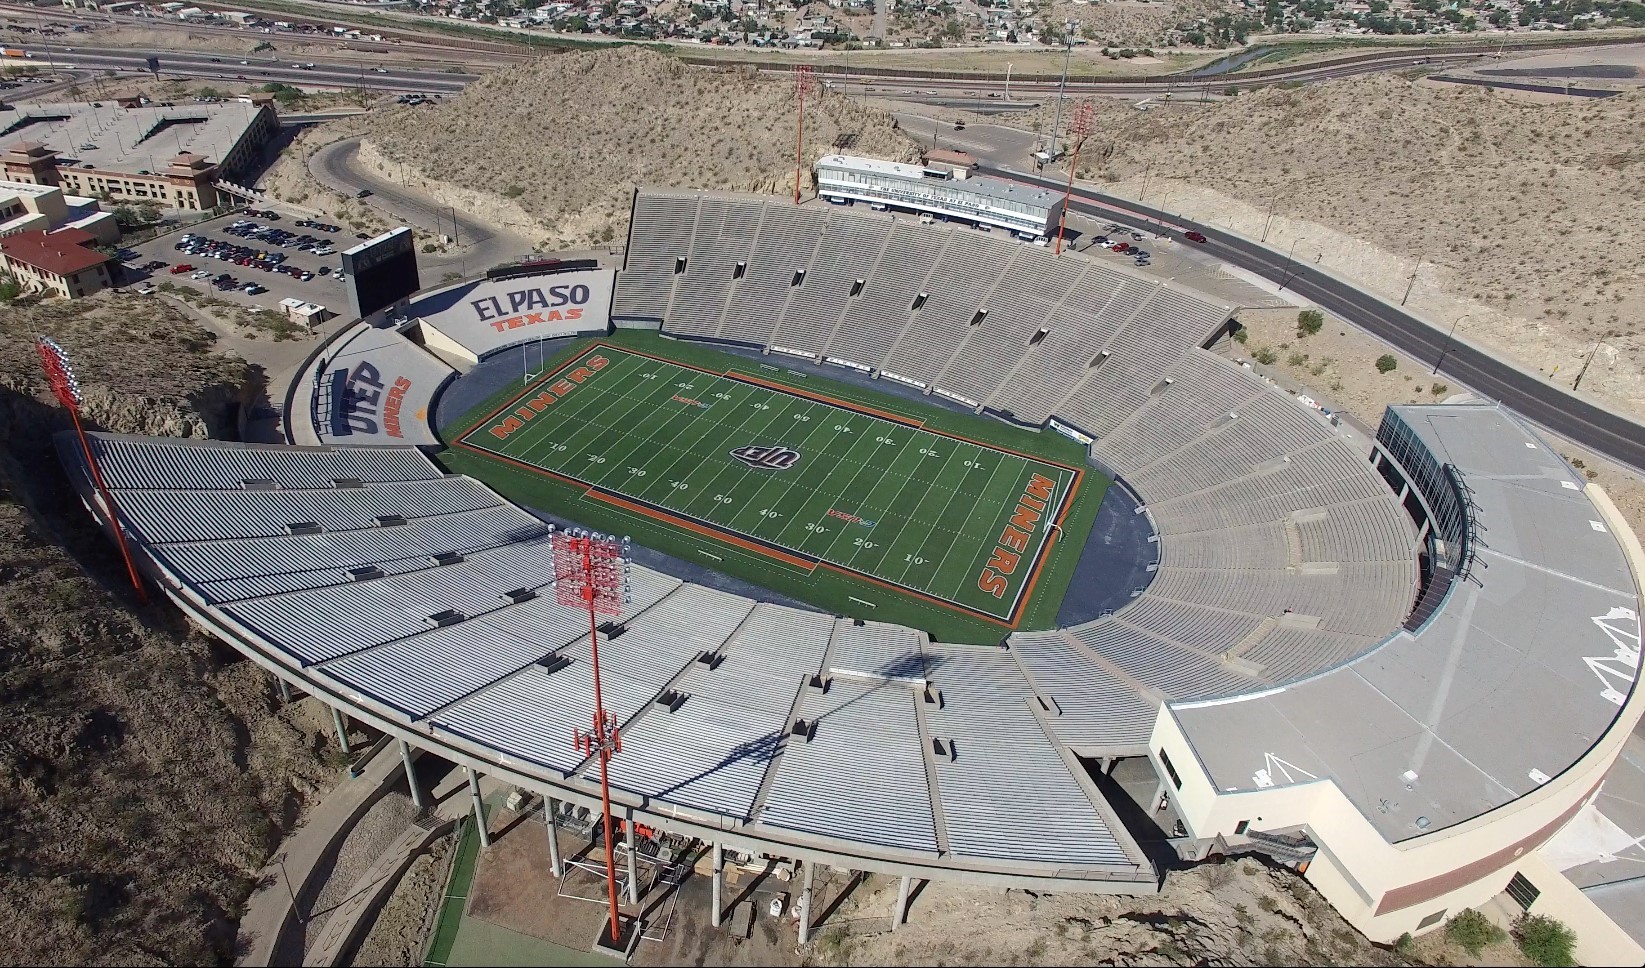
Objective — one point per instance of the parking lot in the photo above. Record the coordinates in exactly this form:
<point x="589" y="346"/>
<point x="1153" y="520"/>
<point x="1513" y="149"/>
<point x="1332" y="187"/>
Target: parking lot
<point x="279" y="256"/>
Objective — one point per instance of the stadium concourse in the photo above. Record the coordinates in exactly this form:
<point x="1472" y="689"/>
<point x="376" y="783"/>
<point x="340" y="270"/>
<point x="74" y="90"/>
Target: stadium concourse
<point x="1399" y="666"/>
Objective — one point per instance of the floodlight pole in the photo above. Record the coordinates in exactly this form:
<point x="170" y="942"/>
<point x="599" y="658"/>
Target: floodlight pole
<point x="802" y="82"/>
<point x="591" y="569"/>
<point x="1078" y="130"/>
<point x="66" y="387"/>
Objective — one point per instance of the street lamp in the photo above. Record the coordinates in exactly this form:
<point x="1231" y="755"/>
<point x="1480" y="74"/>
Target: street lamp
<point x="1008" y="80"/>
<point x="1446" y="348"/>
<point x="1285" y="274"/>
<point x="1160" y="222"/>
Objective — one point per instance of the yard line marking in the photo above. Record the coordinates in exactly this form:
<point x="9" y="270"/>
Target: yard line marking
<point x="891" y="545"/>
<point x="943" y="562"/>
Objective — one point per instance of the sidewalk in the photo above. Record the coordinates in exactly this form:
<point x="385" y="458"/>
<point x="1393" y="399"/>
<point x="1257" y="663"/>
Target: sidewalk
<point x="283" y="886"/>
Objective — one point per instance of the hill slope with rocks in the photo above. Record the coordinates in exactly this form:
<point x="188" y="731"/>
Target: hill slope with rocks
<point x="558" y="145"/>
<point x="1514" y="207"/>
<point x="145" y="774"/>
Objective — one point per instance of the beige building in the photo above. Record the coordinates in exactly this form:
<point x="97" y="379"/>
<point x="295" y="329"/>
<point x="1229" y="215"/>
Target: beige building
<point x="63" y="263"/>
<point x="25" y="206"/>
<point x="169" y="154"/>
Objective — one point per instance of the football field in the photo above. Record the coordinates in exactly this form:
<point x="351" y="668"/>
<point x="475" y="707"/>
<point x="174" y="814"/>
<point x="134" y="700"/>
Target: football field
<point x="795" y="476"/>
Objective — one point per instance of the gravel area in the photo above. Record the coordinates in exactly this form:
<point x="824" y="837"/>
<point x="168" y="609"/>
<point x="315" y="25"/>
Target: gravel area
<point x="399" y="933"/>
<point x="381" y="824"/>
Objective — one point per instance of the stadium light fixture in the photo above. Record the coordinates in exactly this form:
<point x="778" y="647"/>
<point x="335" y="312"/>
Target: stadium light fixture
<point x="591" y="571"/>
<point x="54" y="360"/>
<point x="803" y="82"/>
<point x="1080" y="127"/>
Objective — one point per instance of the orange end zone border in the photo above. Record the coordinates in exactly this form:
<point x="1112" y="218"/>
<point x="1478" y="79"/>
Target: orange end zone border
<point x="804" y="563"/>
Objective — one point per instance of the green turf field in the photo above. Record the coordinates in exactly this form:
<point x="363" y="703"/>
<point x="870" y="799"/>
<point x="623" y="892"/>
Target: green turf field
<point x="846" y="499"/>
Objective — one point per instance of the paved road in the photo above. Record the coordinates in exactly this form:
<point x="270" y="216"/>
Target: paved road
<point x="1528" y="394"/>
<point x="480" y="245"/>
<point x="257" y="67"/>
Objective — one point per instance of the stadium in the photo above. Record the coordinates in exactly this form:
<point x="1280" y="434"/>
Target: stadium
<point x="1399" y="665"/>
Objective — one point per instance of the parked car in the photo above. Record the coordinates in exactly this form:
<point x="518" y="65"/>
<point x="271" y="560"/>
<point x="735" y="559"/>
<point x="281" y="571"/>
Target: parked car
<point x="181" y="268"/>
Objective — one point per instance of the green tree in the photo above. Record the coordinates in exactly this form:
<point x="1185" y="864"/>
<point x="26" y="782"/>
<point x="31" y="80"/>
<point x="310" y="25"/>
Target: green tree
<point x="9" y="289"/>
<point x="1264" y="355"/>
<point x="1309" y="322"/>
<point x="1387" y="364"/>
<point x="1470" y="929"/>
<point x="1546" y="941"/>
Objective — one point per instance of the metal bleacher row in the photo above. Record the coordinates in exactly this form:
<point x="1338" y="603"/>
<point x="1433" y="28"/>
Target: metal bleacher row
<point x="1282" y="553"/>
<point x="426" y="599"/>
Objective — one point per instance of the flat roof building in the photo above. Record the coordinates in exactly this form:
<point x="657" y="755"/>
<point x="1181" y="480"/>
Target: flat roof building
<point x="951" y="193"/>
<point x="170" y="154"/>
<point x="25" y="206"/>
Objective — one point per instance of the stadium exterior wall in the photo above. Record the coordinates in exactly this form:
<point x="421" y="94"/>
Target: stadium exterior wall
<point x="1385" y="890"/>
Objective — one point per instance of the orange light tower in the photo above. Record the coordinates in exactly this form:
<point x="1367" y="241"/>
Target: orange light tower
<point x="591" y="571"/>
<point x="803" y="82"/>
<point x="1079" y="128"/>
<point x="60" y="374"/>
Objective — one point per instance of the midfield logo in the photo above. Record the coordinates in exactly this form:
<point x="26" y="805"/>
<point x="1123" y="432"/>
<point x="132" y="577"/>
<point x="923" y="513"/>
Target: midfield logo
<point x="771" y="457"/>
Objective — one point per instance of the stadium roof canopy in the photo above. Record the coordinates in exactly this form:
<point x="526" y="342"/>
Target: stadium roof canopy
<point x="1525" y="666"/>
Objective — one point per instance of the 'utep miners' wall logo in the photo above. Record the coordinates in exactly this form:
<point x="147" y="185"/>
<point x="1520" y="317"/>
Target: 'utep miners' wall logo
<point x="769" y="458"/>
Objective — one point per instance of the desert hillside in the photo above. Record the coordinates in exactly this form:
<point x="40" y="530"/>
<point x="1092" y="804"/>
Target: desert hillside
<point x="1518" y="209"/>
<point x="144" y="777"/>
<point x="565" y="139"/>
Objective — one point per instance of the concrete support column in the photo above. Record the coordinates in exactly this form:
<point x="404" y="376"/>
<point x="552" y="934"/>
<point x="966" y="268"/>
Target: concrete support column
<point x="805" y="903"/>
<point x="719" y="864"/>
<point x="342" y="730"/>
<point x="633" y="864"/>
<point x="901" y="912"/>
<point x="285" y="690"/>
<point x="479" y="809"/>
<point x="411" y="775"/>
<point x="551" y="818"/>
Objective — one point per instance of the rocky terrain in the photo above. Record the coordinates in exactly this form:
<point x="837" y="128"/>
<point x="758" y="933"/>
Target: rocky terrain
<point x="1236" y="913"/>
<point x="554" y="149"/>
<point x="144" y="774"/>
<point x="1513" y="208"/>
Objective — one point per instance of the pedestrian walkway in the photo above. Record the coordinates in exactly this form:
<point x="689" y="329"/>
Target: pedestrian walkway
<point x="284" y="887"/>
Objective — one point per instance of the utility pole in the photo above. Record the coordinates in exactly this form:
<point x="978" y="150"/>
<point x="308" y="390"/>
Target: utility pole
<point x="1270" y="218"/>
<point x="1409" y="284"/>
<point x="802" y="83"/>
<point x="1008" y="81"/>
<point x="1447" y="347"/>
<point x="1056" y="121"/>
<point x="1584" y="371"/>
<point x="1284" y="276"/>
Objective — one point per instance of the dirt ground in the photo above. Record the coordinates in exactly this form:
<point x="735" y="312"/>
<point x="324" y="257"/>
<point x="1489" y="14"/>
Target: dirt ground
<point x="556" y="146"/>
<point x="399" y="932"/>
<point x="513" y="889"/>
<point x="146" y="773"/>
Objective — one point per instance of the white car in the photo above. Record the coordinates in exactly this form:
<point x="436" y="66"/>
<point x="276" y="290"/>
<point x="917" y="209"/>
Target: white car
<point x="146" y="290"/>
<point x="200" y="274"/>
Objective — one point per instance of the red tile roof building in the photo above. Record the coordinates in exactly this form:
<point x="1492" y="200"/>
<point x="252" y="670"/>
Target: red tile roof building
<point x="62" y="262"/>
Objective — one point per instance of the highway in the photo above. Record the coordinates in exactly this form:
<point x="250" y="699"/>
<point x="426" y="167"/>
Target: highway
<point x="257" y="67"/>
<point x="1528" y="394"/>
